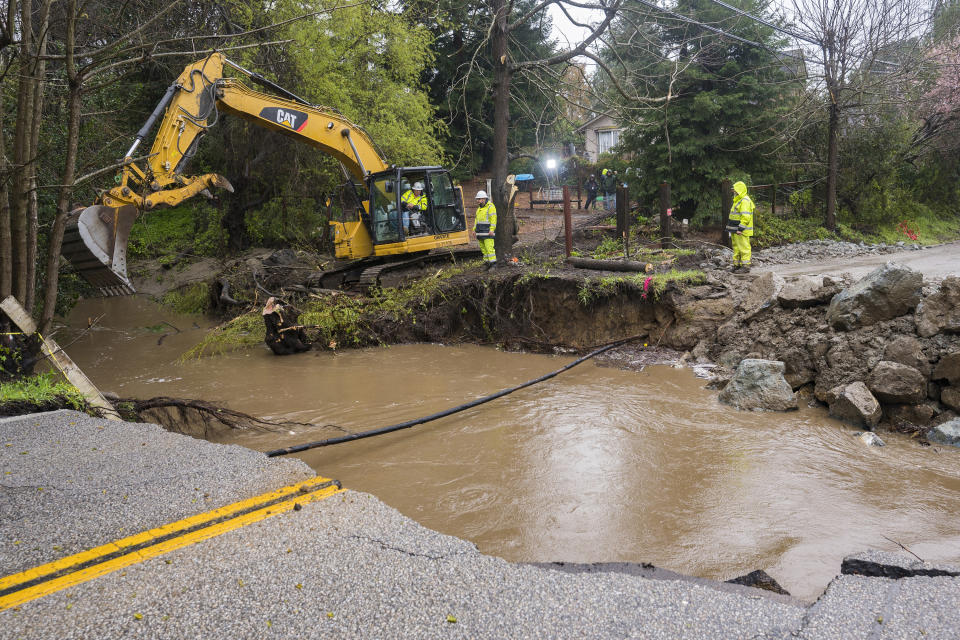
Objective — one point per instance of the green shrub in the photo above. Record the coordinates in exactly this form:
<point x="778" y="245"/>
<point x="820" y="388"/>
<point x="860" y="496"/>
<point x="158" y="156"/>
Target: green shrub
<point x="770" y="231"/>
<point x="608" y="248"/>
<point x="194" y="298"/>
<point x="161" y="233"/>
<point x="42" y="389"/>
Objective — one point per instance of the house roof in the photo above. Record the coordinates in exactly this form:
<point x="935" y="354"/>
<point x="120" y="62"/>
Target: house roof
<point x="594" y="119"/>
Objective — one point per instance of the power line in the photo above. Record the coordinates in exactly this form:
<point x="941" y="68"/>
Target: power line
<point x="721" y="32"/>
<point x="769" y="24"/>
<point x="793" y="34"/>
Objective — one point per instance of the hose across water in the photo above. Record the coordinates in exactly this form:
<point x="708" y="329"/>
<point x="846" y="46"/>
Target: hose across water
<point x="447" y="412"/>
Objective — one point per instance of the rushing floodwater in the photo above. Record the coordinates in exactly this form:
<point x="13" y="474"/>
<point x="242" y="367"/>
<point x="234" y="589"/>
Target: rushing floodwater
<point x="597" y="464"/>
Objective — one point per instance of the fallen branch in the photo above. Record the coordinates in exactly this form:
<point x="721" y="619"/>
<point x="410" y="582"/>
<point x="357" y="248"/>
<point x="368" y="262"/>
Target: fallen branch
<point x="608" y="265"/>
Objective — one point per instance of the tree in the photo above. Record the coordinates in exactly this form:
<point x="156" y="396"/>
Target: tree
<point x="700" y="106"/>
<point x="360" y="60"/>
<point x="460" y="79"/>
<point x="507" y="63"/>
<point x="864" y="53"/>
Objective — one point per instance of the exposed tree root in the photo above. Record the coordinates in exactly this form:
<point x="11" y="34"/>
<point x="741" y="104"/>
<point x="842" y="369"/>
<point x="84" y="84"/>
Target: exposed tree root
<point x="198" y="418"/>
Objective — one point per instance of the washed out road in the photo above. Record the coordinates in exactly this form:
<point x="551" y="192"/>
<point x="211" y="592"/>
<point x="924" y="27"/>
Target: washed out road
<point x="345" y="565"/>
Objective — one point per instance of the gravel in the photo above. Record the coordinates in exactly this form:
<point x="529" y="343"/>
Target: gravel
<point x="821" y="249"/>
<point x="809" y="251"/>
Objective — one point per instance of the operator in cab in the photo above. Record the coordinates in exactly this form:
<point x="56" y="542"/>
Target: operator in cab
<point x="414" y="205"/>
<point x="485" y="226"/>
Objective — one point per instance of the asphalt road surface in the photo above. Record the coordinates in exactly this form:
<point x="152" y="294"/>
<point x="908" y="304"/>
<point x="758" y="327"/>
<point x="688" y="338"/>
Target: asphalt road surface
<point x="340" y="564"/>
<point x="935" y="263"/>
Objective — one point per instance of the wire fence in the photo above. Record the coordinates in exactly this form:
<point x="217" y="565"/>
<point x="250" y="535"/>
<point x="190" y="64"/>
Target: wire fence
<point x="789" y="199"/>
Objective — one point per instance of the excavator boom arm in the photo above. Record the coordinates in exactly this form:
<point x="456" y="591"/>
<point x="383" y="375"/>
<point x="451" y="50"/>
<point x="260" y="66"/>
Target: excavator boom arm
<point x="95" y="239"/>
<point x="195" y="102"/>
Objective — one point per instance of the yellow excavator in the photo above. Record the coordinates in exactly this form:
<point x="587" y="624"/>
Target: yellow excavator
<point x="95" y="239"/>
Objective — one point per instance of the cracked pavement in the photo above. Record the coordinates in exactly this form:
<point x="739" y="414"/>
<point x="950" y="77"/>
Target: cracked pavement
<point x="351" y="567"/>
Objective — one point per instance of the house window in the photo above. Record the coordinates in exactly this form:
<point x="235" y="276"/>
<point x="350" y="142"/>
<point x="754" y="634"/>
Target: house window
<point x="607" y="140"/>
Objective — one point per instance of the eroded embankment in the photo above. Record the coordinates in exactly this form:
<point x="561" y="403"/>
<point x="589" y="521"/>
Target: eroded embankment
<point x="881" y="351"/>
<point x="891" y="333"/>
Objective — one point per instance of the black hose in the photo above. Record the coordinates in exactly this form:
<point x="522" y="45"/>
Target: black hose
<point x="447" y="412"/>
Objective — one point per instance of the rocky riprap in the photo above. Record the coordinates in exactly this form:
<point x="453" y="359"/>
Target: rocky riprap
<point x="882" y="351"/>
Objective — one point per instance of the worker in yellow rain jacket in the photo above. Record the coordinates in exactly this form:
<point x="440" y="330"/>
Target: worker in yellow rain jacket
<point x="740" y="226"/>
<point x="485" y="226"/>
<point x="414" y="203"/>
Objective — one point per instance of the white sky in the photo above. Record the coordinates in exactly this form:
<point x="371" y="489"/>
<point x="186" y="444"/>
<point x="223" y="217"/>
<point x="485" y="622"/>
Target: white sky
<point x="566" y="32"/>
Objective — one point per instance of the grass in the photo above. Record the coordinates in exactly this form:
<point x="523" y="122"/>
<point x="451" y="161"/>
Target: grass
<point x="332" y="322"/>
<point x="41" y="390"/>
<point x="194" y="298"/>
<point x="161" y="233"/>
<point x="613" y="248"/>
<point x="653" y="285"/>
<point x="243" y="331"/>
<point x="928" y="227"/>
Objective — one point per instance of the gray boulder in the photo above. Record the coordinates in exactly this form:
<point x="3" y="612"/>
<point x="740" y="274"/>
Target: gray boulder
<point x="907" y="350"/>
<point x="855" y="404"/>
<point x="915" y="414"/>
<point x="940" y="312"/>
<point x="887" y="292"/>
<point x="948" y="368"/>
<point x="895" y="382"/>
<point x="759" y="384"/>
<point x="805" y="292"/>
<point x="762" y="293"/>
<point x="947" y="433"/>
<point x="950" y="396"/>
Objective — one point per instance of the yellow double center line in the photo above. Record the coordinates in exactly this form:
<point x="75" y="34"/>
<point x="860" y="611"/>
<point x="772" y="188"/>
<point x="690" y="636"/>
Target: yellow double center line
<point x="66" y="572"/>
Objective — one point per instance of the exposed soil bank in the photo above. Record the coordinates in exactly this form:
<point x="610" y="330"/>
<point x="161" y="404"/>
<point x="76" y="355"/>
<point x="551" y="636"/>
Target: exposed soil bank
<point x="542" y="304"/>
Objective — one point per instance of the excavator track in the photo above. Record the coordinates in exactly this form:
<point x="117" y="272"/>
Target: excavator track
<point x="370" y="277"/>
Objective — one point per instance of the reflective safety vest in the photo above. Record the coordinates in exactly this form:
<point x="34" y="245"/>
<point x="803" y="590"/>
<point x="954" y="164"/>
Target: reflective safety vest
<point x="741" y="216"/>
<point x="485" y="224"/>
<point x="409" y="198"/>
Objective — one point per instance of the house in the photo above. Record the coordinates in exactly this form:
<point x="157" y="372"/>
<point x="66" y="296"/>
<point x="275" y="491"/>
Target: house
<point x="601" y="134"/>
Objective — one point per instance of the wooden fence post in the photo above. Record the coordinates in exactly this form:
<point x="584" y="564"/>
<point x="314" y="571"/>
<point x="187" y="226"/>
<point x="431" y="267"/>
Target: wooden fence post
<point x="623" y="219"/>
<point x="773" y="200"/>
<point x="726" y="203"/>
<point x="665" y="216"/>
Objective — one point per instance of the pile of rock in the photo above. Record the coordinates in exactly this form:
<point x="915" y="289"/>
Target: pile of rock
<point x="878" y="352"/>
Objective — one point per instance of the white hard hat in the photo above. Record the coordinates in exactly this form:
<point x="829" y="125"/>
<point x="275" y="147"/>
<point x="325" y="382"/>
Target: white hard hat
<point x="481" y="194"/>
<point x="418" y="186"/>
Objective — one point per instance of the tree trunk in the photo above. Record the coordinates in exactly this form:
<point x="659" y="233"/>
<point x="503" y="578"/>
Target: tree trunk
<point x="6" y="240"/>
<point x="28" y="122"/>
<point x="501" y="123"/>
<point x="74" y="104"/>
<point x="234" y="219"/>
<point x="21" y="156"/>
<point x="833" y="167"/>
<point x="33" y="221"/>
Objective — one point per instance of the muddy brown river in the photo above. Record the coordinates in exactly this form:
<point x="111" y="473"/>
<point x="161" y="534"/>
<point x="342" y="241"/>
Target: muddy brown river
<point x="597" y="464"/>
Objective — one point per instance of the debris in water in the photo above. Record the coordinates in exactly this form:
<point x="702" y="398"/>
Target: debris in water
<point x="871" y="439"/>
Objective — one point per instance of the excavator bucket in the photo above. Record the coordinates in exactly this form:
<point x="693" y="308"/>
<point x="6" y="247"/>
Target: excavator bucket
<point x="95" y="243"/>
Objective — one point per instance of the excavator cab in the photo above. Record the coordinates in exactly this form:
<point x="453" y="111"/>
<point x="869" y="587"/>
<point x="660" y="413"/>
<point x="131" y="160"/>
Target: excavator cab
<point x="395" y="227"/>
